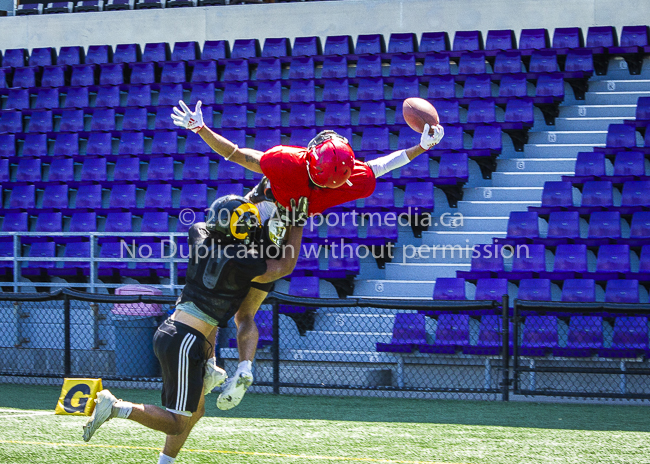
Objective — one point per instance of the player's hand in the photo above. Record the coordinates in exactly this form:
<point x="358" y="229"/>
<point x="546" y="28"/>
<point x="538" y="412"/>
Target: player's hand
<point x="298" y="213"/>
<point x="188" y="119"/>
<point x="427" y="140"/>
<point x="214" y="376"/>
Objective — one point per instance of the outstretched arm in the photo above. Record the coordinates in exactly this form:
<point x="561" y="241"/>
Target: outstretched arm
<point x="193" y="120"/>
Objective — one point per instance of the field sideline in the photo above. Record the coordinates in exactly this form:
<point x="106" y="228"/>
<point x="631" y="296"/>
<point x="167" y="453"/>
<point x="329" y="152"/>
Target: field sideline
<point x="268" y="429"/>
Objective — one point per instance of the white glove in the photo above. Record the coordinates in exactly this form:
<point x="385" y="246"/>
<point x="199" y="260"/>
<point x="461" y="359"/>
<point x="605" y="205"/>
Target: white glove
<point x="428" y="141"/>
<point x="214" y="376"/>
<point x="188" y="119"/>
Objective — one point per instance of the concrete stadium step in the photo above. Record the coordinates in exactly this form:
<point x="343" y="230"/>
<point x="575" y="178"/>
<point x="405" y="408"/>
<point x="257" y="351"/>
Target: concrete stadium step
<point x="341" y="341"/>
<point x="619" y="85"/>
<point x="453" y="238"/>
<point x="615" y="97"/>
<point x="454" y="222"/>
<point x="562" y="137"/>
<point x="354" y="322"/>
<point x="399" y="289"/>
<point x="588" y="124"/>
<point x="556" y="150"/>
<point x="535" y="165"/>
<point x="598" y="111"/>
<point x="496" y="208"/>
<point x="505" y="193"/>
<point x="426" y="271"/>
<point x="523" y="180"/>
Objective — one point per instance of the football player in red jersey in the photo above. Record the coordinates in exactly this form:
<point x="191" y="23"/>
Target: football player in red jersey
<point x="326" y="172"/>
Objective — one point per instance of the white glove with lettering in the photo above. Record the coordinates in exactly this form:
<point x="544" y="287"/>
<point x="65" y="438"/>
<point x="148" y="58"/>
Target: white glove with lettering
<point x="214" y="376"/>
<point x="188" y="119"/>
<point x="428" y="141"/>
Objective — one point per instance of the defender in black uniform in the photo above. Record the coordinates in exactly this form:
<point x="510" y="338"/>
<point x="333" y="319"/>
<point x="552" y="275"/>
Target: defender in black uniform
<point x="226" y="277"/>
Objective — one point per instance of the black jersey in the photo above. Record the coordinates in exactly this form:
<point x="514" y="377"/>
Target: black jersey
<point x="219" y="274"/>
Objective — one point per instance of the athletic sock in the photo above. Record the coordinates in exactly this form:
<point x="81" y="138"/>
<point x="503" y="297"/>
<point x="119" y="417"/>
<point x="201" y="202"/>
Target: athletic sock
<point x="164" y="459"/>
<point x="245" y="366"/>
<point x="123" y="409"/>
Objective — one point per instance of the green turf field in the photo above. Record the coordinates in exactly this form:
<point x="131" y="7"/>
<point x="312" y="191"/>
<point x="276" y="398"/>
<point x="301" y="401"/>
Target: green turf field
<point x="268" y="429"/>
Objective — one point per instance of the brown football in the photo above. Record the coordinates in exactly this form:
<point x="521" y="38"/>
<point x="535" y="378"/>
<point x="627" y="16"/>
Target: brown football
<point x="418" y="112"/>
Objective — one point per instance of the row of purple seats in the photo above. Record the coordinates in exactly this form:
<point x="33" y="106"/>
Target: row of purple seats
<point x="596" y="196"/>
<point x="340" y="265"/>
<point x="623" y="137"/>
<point x="564" y="228"/>
<point x="642" y="115"/>
<point x="570" y="262"/>
<point x="591" y="166"/>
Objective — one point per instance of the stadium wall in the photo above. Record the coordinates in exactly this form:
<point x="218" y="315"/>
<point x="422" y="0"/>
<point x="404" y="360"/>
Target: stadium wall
<point x="351" y="17"/>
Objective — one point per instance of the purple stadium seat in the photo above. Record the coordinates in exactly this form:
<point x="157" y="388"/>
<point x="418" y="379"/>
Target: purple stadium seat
<point x="99" y="54"/>
<point x="501" y="40"/>
<point x="550" y="85"/>
<point x="436" y="65"/>
<point x="197" y="168"/>
<point x="490" y="338"/>
<point x="302" y="91"/>
<point x="185" y="51"/>
<point x="563" y="228"/>
<point x="99" y="144"/>
<point x="234" y="117"/>
<point x="264" y="323"/>
<point x="507" y="62"/>
<point x="28" y="170"/>
<point x="338" y="45"/>
<point x="628" y="165"/>
<point x="452" y="334"/>
<point x="215" y="50"/>
<point x="199" y="216"/>
<point x="513" y="86"/>
<point x="302" y="137"/>
<point x="267" y="138"/>
<point x="205" y="71"/>
<point x="35" y="145"/>
<point x="230" y="189"/>
<point x="375" y="139"/>
<point x="336" y="90"/>
<point x="161" y="168"/>
<point x="487" y="138"/>
<point x="89" y="196"/>
<point x="487" y="261"/>
<point x="601" y="37"/>
<point x="17" y="99"/>
<point x="55" y="197"/>
<point x="523" y="227"/>
<point x="337" y="114"/>
<point x="568" y="37"/>
<point x="472" y="63"/>
<point x="491" y="289"/>
<point x="596" y="196"/>
<point x="84" y="74"/>
<point x="434" y="42"/>
<point x="589" y="166"/>
<point x="163" y="121"/>
<point x="639" y="229"/>
<point x="613" y="262"/>
<point x="301" y="67"/>
<point x="267" y="92"/>
<point x="371" y="88"/>
<point x="481" y="111"/>
<point x="402" y="65"/>
<point x="341" y="227"/>
<point x="534" y="39"/>
<point x="40" y="121"/>
<point x="7" y="145"/>
<point x="268" y="116"/>
<point x="416" y="169"/>
<point x="103" y="120"/>
<point x="127" y="53"/>
<point x="173" y="72"/>
<point x="194" y="196"/>
<point x="520" y="111"/>
<point x="307" y="260"/>
<point x="48" y="222"/>
<point x="383" y="197"/>
<point x="4" y="170"/>
<point x="140" y="95"/>
<point x="402" y="43"/>
<point x="409" y="332"/>
<point x="634" y="36"/>
<point x="117" y="222"/>
<point x="110" y="74"/>
<point x="22" y="197"/>
<point x="53" y="76"/>
<point x="302" y="115"/>
<point x="579" y="60"/>
<point x="334" y="67"/>
<point x="131" y="143"/>
<point x="343" y="264"/>
<point x="15" y="58"/>
<point x="467" y="41"/>
<point x="406" y="87"/>
<point x="155" y="221"/>
<point x="453" y="139"/>
<point x="15" y="222"/>
<point x="477" y="86"/>
<point x="570" y="262"/>
<point x="534" y="289"/>
<point x="143" y="73"/>
<point x="39" y="250"/>
<point x="634" y="196"/>
<point x="453" y="166"/>
<point x="230" y="171"/>
<point x="156" y="52"/>
<point x="11" y="122"/>
<point x="122" y="197"/>
<point x="127" y="169"/>
<point x="604" y="228"/>
<point x="72" y="121"/>
<point x="370" y="43"/>
<point x="369" y="66"/>
<point x="158" y="196"/>
<point x="26" y="77"/>
<point x="307" y="46"/>
<point x="555" y="197"/>
<point x="585" y="336"/>
<point x="245" y="48"/>
<point x="165" y="143"/>
<point x="75" y="250"/>
<point x="528" y="262"/>
<point x="135" y="119"/>
<point x="543" y="61"/>
<point x="234" y="93"/>
<point x="94" y="170"/>
<point x="268" y="69"/>
<point x="408" y="138"/>
<point x="539" y="335"/>
<point x="629" y="338"/>
<point x="108" y="97"/>
<point x="372" y="113"/>
<point x="111" y="250"/>
<point x="235" y="136"/>
<point x="419" y="196"/>
<point x="77" y="97"/>
<point x="449" y="288"/>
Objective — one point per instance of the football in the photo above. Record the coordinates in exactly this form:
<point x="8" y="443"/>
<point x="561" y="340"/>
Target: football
<point x="418" y="112"/>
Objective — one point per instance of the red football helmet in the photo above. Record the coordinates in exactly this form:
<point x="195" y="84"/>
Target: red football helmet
<point x="330" y="160"/>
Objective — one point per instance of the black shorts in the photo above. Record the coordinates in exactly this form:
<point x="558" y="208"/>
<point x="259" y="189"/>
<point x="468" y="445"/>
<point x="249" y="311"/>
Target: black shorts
<point x="182" y="352"/>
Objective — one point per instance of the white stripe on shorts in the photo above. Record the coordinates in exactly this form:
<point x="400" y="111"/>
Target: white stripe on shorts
<point x="183" y="361"/>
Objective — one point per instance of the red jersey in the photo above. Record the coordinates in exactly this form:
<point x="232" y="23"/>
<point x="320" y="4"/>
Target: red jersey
<point x="286" y="169"/>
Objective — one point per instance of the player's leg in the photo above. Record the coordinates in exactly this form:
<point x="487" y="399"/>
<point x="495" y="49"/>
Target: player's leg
<point x="174" y="443"/>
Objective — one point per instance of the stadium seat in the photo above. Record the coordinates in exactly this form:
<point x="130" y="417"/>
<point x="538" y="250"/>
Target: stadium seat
<point x="264" y="323"/>
<point x="579" y="290"/>
<point x="307" y="287"/>
<point x="487" y="261"/>
<point x="369" y="66"/>
<point x="307" y="46"/>
<point x="229" y="171"/>
<point x="634" y="196"/>
<point x="127" y="53"/>
<point x="556" y="196"/>
<point x="604" y="228"/>
<point x="301" y="67"/>
<point x="131" y="143"/>
<point x="26" y="77"/>
<point x="501" y="40"/>
<point x="336" y="90"/>
<point x="570" y="262"/>
<point x="111" y="250"/>
<point x="434" y="42"/>
<point x="302" y="137"/>
<point x="491" y="289"/>
<point x="122" y="197"/>
<point x="155" y="221"/>
<point x="193" y="196"/>
<point x="94" y="170"/>
<point x="205" y="71"/>
<point x="165" y="143"/>
<point x="268" y="116"/>
<point x="514" y="86"/>
<point x="467" y="41"/>
<point x="89" y="197"/>
<point x="448" y="288"/>
<point x="302" y="91"/>
<point x="40" y="121"/>
<point x="11" y="122"/>
<point x="436" y="65"/>
<point x="629" y="338"/>
<point x="419" y="197"/>
<point x="54" y="76"/>
<point x="530" y="39"/>
<point x="158" y="196"/>
<point x="143" y="73"/>
<point x="337" y="114"/>
<point x="161" y="168"/>
<point x="234" y="117"/>
<point x="589" y="166"/>
<point x="370" y="44"/>
<point x="267" y="92"/>
<point x="245" y="48"/>
<point x="127" y="169"/>
<point x="534" y="289"/>
<point x="490" y="338"/>
<point x="186" y="51"/>
<point x="639" y="229"/>
<point x="481" y="111"/>
<point x="452" y="334"/>
<point x="550" y="85"/>
<point x="173" y="72"/>
<point x="140" y="95"/>
<point x="15" y="58"/>
<point x="15" y="222"/>
<point x="472" y="63"/>
<point x="215" y="50"/>
<point x="35" y="145"/>
<point x="84" y="75"/>
<point x="77" y="97"/>
<point x="197" y="168"/>
<point x="628" y="166"/>
<point x="341" y="226"/>
<point x="382" y="198"/>
<point x="402" y="65"/>
<point x="100" y="144"/>
<point x="523" y="227"/>
<point x="268" y="69"/>
<point x="402" y="43"/>
<point x="371" y="88"/>
<point x="22" y="197"/>
<point x="99" y="54"/>
<point x="563" y="228"/>
<point x="135" y="119"/>
<point x="103" y="120"/>
<point x="233" y="93"/>
<point x="110" y="74"/>
<point x="17" y="99"/>
<point x="28" y="170"/>
<point x="163" y="121"/>
<point x="409" y="333"/>
<point x="267" y="138"/>
<point x="613" y="262"/>
<point x="579" y="60"/>
<point x="584" y="338"/>
<point x="39" y="250"/>
<point x="307" y="263"/>
<point x="71" y="268"/>
<point x="159" y="51"/>
<point x="71" y="121"/>
<point x="338" y="45"/>
<point x="477" y="86"/>
<point x="539" y="336"/>
<point x="7" y="145"/>
<point x="528" y="261"/>
<point x="235" y="70"/>
<point x="117" y="222"/>
<point x="107" y="97"/>
<point x="334" y="67"/>
<point x="596" y="196"/>
<point x="375" y="139"/>
<point x="372" y="113"/>
<point x="543" y="61"/>
<point x="406" y="87"/>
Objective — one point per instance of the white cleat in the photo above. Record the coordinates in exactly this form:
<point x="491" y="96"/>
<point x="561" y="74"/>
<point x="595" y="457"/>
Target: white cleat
<point x="103" y="412"/>
<point x="214" y="377"/>
<point x="234" y="390"/>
